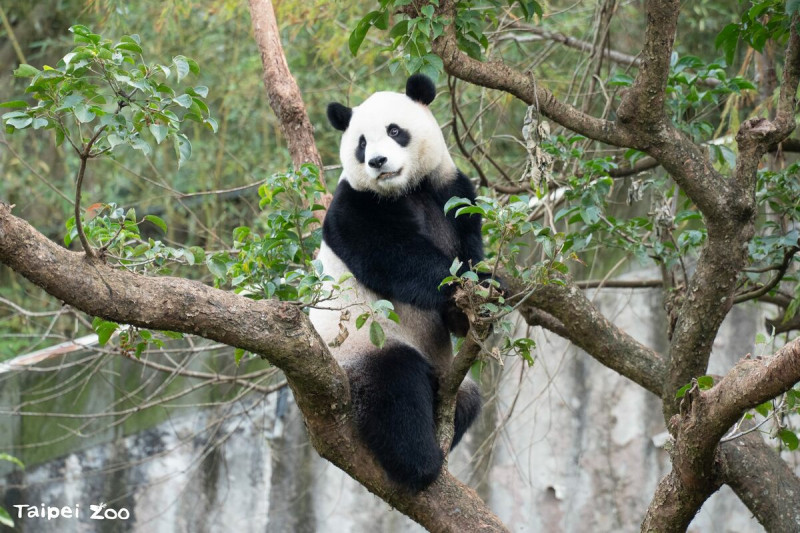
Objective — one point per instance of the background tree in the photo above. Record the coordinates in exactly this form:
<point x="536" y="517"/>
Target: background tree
<point x="720" y="224"/>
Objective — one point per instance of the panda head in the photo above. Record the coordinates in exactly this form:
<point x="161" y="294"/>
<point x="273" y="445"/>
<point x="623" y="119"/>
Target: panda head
<point x="391" y="142"/>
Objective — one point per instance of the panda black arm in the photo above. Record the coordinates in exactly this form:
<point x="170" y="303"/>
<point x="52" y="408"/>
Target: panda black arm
<point x="377" y="240"/>
<point x="467" y="227"/>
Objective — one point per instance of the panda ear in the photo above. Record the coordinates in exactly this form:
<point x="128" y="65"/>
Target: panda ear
<point x="420" y="88"/>
<point x="339" y="115"/>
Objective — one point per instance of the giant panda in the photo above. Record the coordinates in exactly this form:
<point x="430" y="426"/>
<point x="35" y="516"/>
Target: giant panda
<point x="387" y="227"/>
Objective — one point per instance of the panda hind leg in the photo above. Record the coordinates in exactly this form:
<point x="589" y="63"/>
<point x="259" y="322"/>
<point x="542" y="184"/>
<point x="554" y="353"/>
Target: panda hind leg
<point x="394" y="392"/>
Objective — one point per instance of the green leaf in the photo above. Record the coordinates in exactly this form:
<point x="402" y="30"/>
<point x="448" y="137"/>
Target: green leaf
<point x="159" y="131"/>
<point x="217" y="265"/>
<point x="5" y="518"/>
<point x="129" y="46"/>
<point x="11" y="459"/>
<point x="360" y="31"/>
<point x="212" y="124"/>
<point x="470" y="275"/>
<point x="727" y="39"/>
<point x="401" y="28"/>
<point x="183" y="148"/>
<point x="620" y="80"/>
<point x="238" y="353"/>
<point x="183" y="100"/>
<point x="789" y="438"/>
<point x="705" y="382"/>
<point x="197" y="253"/>
<point x="200" y="90"/>
<point x="182" y="67"/>
<point x="82" y="113"/>
<point x="104" y="330"/>
<point x="26" y="71"/>
<point x="376" y="334"/>
<point x="14" y="103"/>
<point x="683" y="390"/>
<point x="157" y="221"/>
<point x="194" y="68"/>
<point x="361" y="319"/>
<point x="139" y="349"/>
<point x="455" y="201"/>
<point x="19" y="122"/>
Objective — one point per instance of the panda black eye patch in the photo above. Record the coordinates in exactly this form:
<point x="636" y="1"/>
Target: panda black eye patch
<point x="362" y="145"/>
<point x="401" y="136"/>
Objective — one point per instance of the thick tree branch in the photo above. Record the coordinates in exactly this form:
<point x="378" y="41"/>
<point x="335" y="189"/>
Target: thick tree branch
<point x="749" y="383"/>
<point x="674" y="505"/>
<point x="498" y="75"/>
<point x="284" y="95"/>
<point x="280" y="332"/>
<point x="705" y="417"/>
<point x="763" y="481"/>
<point x="565" y="310"/>
<point x="644" y="103"/>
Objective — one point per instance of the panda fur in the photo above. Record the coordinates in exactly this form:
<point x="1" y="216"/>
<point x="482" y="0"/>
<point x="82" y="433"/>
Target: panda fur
<point x="386" y="225"/>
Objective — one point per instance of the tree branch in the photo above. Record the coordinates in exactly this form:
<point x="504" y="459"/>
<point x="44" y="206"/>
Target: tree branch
<point x="762" y="480"/>
<point x="705" y="417"/>
<point x="498" y="75"/>
<point x="643" y="104"/>
<point x="284" y="95"/>
<point x="571" y="315"/>
<point x="730" y="227"/>
<point x="277" y="331"/>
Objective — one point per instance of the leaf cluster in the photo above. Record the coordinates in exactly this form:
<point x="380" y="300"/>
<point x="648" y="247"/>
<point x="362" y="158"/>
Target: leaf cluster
<point x="280" y="261"/>
<point x="412" y="35"/>
<point x="103" y="94"/>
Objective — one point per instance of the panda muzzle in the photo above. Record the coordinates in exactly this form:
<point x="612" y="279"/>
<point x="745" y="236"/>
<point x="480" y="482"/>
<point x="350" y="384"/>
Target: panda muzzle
<point x="389" y="175"/>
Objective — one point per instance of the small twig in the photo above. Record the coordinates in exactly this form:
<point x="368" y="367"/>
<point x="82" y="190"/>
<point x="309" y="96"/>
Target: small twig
<point x="33" y="171"/>
<point x="85" y="155"/>
<point x="620" y="284"/>
<point x="78" y="224"/>
<point x="764" y="289"/>
<point x="12" y="36"/>
<point x="451" y="83"/>
<point x="27" y="313"/>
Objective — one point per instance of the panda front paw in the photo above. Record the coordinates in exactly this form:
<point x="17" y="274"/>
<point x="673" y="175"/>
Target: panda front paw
<point x="455" y="320"/>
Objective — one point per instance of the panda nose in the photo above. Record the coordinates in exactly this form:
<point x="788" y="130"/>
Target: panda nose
<point x="377" y="162"/>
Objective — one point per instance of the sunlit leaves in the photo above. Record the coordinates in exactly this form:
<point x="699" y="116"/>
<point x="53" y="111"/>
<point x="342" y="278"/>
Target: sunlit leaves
<point x="104" y="330"/>
<point x="103" y="95"/>
<point x="412" y="36"/>
<point x="765" y="20"/>
<point x="379" y="19"/>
